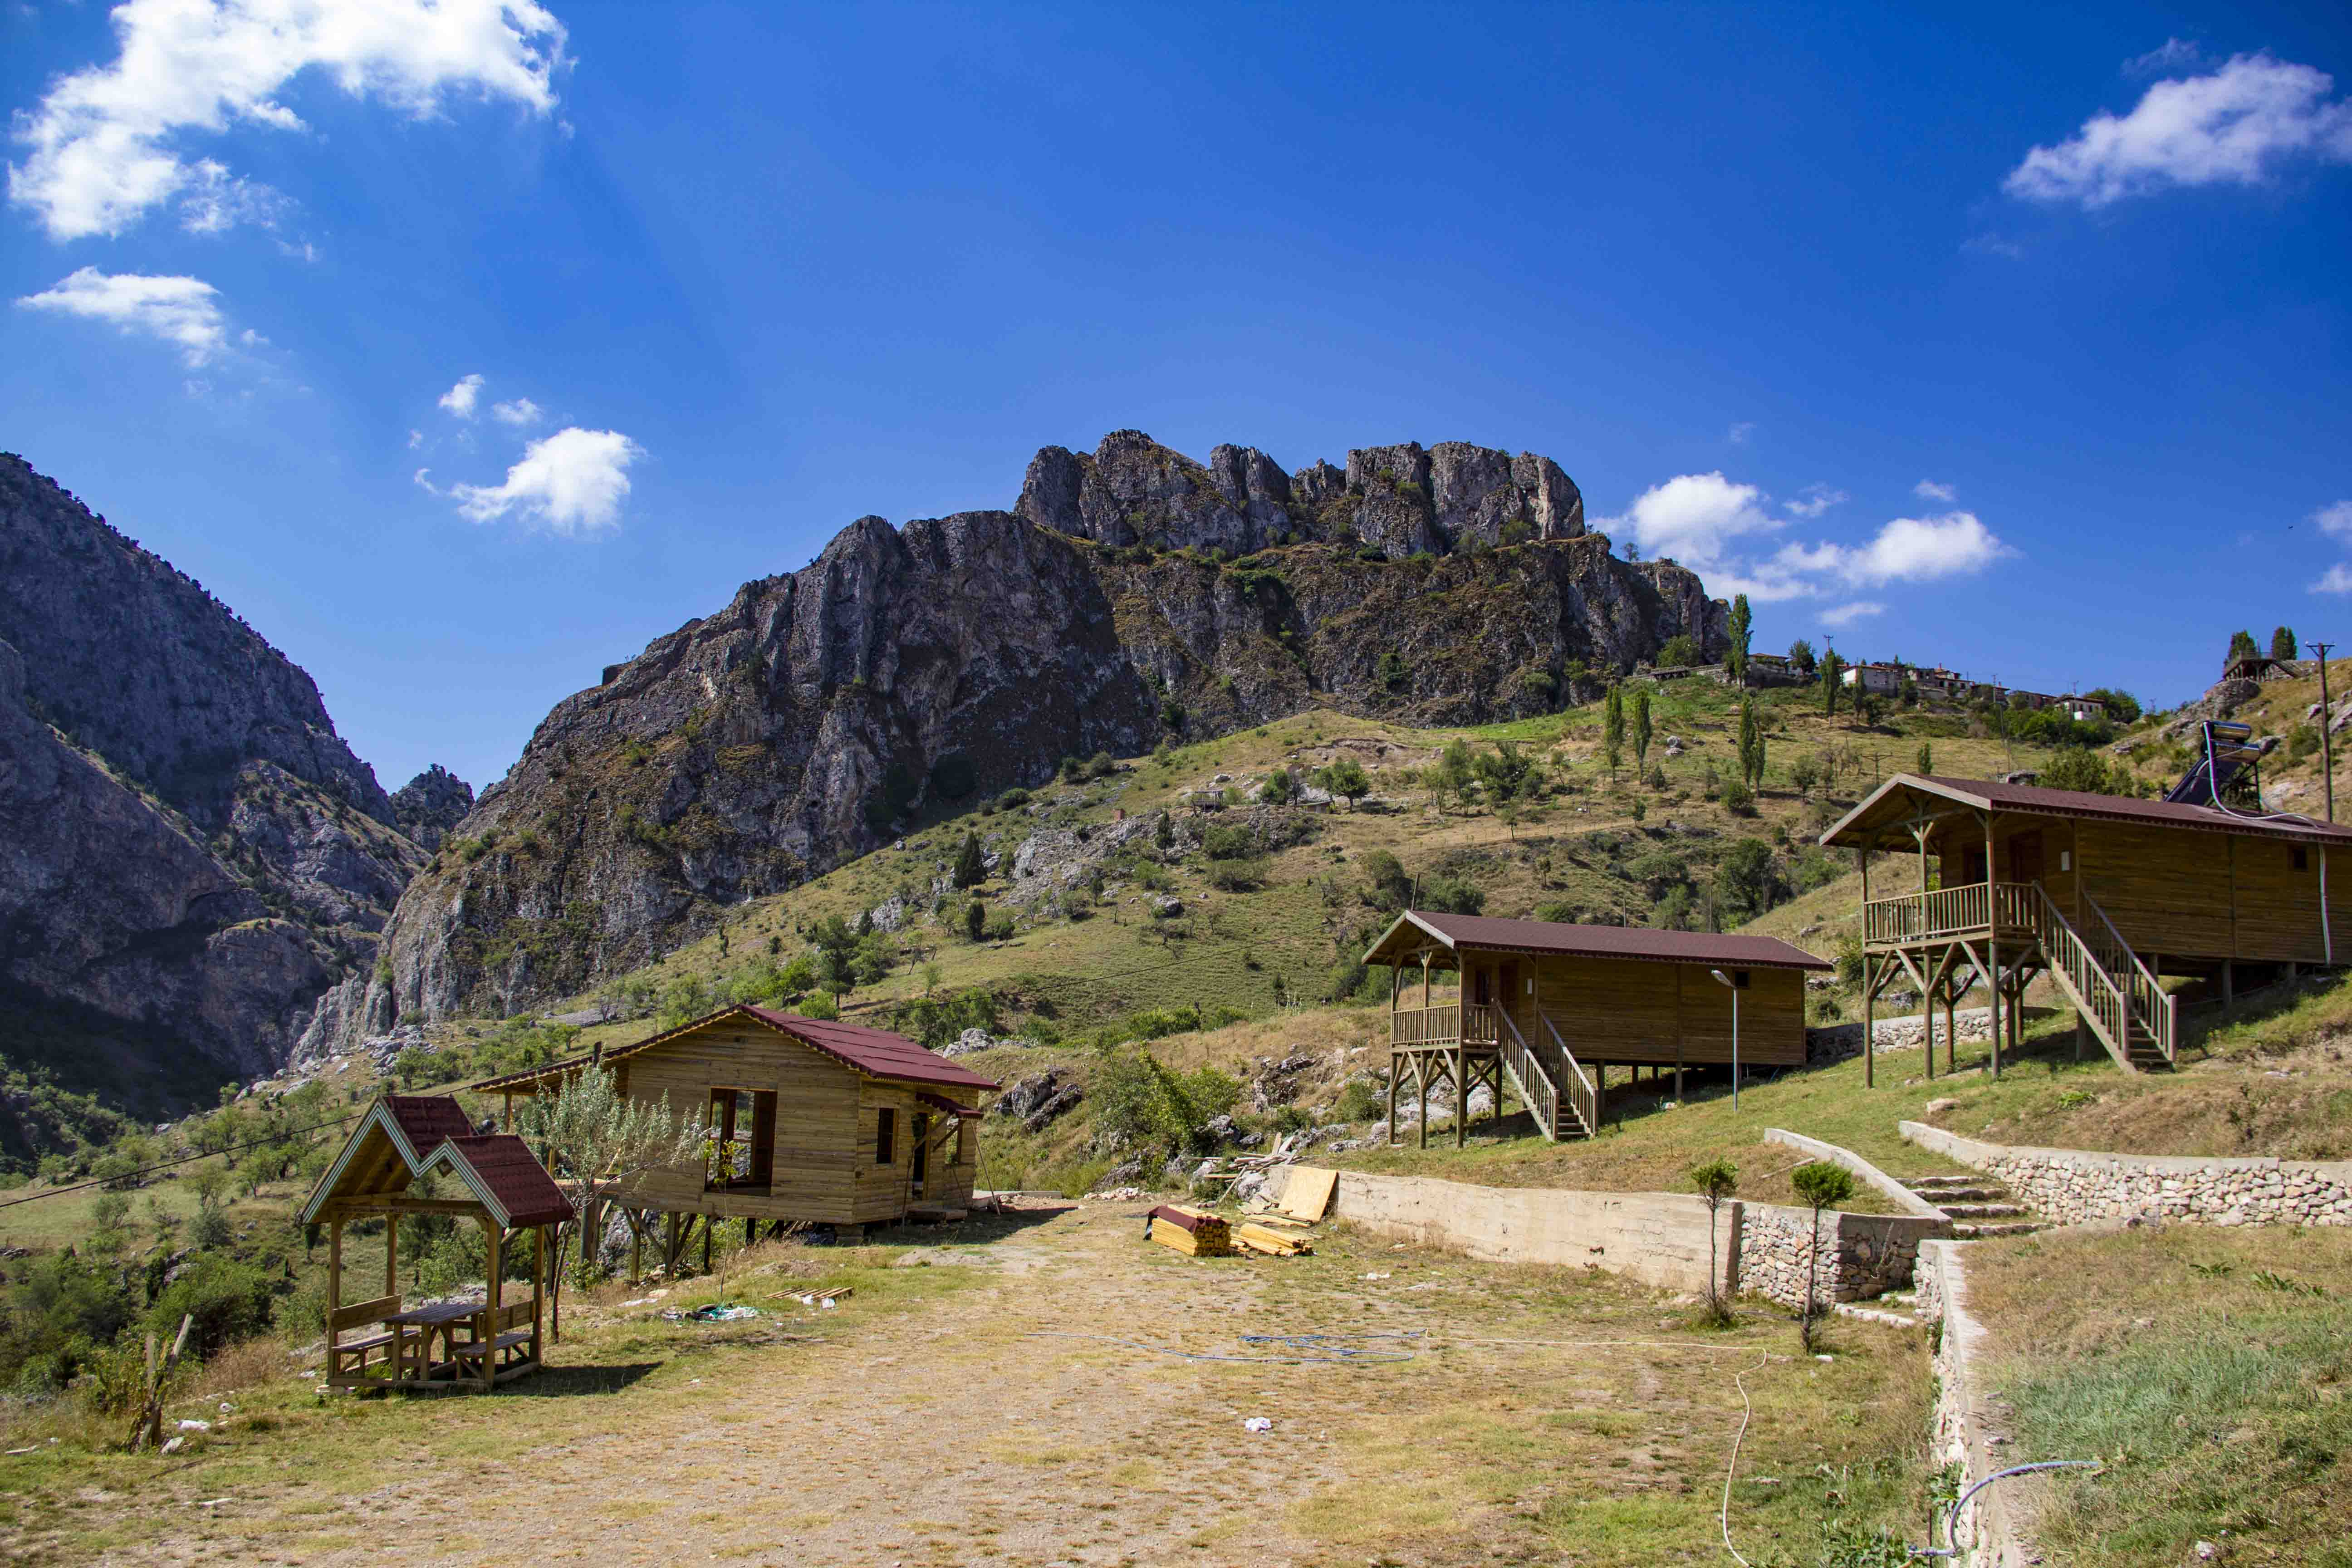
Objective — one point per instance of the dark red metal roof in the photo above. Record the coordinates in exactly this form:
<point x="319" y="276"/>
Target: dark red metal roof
<point x="869" y="1050"/>
<point x="510" y="1176"/>
<point x="942" y="1103"/>
<point x="2034" y="800"/>
<point x="877" y="1051"/>
<point x="1604" y="941"/>
<point x="426" y="1120"/>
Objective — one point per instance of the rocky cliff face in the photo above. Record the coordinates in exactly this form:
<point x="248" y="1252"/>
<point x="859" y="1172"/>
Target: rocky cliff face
<point x="189" y="854"/>
<point x="428" y="806"/>
<point x="908" y="671"/>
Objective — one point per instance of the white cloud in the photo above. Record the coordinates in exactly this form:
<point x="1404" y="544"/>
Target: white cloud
<point x="415" y="439"/>
<point x="1930" y="490"/>
<point x="1710" y="524"/>
<point x="1741" y="431"/>
<point x="1814" y="501"/>
<point x="572" y="482"/>
<point x="2173" y="55"/>
<point x="2336" y="521"/>
<point x="521" y="410"/>
<point x="1920" y="550"/>
<point x="1694" y="517"/>
<point x="182" y="311"/>
<point x="102" y="140"/>
<point x="2232" y="127"/>
<point x="1844" y="614"/>
<point x="460" y="399"/>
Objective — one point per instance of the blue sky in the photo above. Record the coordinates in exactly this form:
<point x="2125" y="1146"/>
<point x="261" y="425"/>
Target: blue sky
<point x="2017" y="341"/>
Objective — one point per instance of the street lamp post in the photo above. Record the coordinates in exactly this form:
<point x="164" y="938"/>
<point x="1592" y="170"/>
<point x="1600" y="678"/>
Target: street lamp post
<point x="1728" y="983"/>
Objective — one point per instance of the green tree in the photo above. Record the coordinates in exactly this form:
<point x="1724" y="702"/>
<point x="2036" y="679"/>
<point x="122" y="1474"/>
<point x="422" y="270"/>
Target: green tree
<point x="2243" y="645"/>
<point x="1821" y="1184"/>
<point x="1747" y="880"/>
<point x="2122" y="706"/>
<point x="971" y="863"/>
<point x="1832" y="666"/>
<point x="1642" y="732"/>
<point x="1345" y="778"/>
<point x="1751" y="746"/>
<point x="1163" y="833"/>
<point x="1277" y="788"/>
<point x="1504" y="774"/>
<point x="599" y="1140"/>
<point x="1926" y="757"/>
<point x="1716" y="1181"/>
<point x="1679" y="651"/>
<point x="2078" y="768"/>
<point x="1613" y="728"/>
<point x="1452" y="773"/>
<point x="1386" y="885"/>
<point x="1734" y="656"/>
<point x="2283" y="644"/>
<point x="1801" y="654"/>
<point x="975" y="920"/>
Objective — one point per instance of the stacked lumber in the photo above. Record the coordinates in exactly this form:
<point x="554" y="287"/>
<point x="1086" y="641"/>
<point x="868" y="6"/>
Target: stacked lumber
<point x="1274" y="1243"/>
<point x="1196" y="1232"/>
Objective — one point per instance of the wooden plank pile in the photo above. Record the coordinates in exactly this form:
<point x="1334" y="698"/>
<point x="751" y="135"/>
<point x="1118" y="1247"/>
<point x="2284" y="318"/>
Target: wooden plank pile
<point x="1274" y="1241"/>
<point x="1196" y="1232"/>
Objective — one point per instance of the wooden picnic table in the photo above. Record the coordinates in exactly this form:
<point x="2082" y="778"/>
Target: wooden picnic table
<point x="442" y="1320"/>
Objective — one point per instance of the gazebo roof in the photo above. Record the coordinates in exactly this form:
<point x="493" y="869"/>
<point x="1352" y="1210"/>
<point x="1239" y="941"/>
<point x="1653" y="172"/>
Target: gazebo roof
<point x="403" y="1136"/>
<point x="1417" y="929"/>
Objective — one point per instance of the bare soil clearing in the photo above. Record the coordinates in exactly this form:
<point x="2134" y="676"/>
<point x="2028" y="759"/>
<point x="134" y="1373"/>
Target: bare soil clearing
<point x="937" y="1423"/>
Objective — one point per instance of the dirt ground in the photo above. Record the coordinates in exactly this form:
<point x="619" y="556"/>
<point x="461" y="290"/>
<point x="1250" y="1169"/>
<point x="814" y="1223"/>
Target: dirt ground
<point x="949" y="1423"/>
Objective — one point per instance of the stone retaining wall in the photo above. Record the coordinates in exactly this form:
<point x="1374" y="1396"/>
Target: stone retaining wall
<point x="1659" y="1239"/>
<point x="1835" y="1042"/>
<point x="2069" y="1186"/>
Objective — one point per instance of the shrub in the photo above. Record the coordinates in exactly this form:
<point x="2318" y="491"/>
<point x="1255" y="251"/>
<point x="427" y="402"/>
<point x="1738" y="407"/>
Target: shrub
<point x="1012" y="799"/>
<point x="1386" y="885"/>
<point x="1680" y="650"/>
<point x="1358" y="1102"/>
<point x="1238" y="876"/>
<point x="1559" y="911"/>
<point x="1453" y="895"/>
<point x="228" y="1300"/>
<point x="1738" y="799"/>
<point x="1223" y="843"/>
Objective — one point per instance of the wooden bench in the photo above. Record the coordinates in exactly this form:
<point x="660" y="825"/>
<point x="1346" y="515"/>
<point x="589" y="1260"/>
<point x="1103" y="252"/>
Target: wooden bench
<point x="348" y="1360"/>
<point x="512" y="1327"/>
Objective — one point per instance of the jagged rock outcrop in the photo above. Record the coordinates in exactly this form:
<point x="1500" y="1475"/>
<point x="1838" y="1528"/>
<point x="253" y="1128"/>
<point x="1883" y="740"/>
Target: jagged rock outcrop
<point x="910" y="671"/>
<point x="428" y="806"/>
<point x="1399" y="499"/>
<point x="189" y="853"/>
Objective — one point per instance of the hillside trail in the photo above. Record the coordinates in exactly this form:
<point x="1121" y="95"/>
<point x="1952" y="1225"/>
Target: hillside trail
<point x="952" y="1433"/>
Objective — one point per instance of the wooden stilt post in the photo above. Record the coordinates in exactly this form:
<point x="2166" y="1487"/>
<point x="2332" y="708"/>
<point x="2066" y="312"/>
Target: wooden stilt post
<point x="392" y="1255"/>
<point x="1461" y="1091"/>
<point x="1421" y="1089"/>
<point x="1992" y="946"/>
<point x="1869" y="1007"/>
<point x="491" y="1300"/>
<point x="1396" y="1067"/>
<point x="636" y="1252"/>
<point x="538" y="1303"/>
<point x="2229" y="986"/>
<point x="1678" y="1066"/>
<point x="707" y="1221"/>
<point x="1601" y="1091"/>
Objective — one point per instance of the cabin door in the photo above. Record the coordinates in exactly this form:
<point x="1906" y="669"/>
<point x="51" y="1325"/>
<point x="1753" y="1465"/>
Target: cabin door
<point x="2025" y="857"/>
<point x="1507" y="982"/>
<point x="922" y="1128"/>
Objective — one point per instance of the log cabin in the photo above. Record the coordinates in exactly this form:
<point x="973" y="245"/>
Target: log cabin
<point x="1540" y="1002"/>
<point x="2104" y="894"/>
<point x="811" y="1121"/>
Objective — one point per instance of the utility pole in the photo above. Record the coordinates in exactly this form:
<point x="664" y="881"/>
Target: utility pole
<point x="2326" y="723"/>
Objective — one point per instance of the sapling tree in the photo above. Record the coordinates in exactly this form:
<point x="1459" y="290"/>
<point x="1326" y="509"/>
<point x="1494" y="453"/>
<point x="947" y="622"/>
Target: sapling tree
<point x="1642" y="732"/>
<point x="1716" y="1180"/>
<point x="1613" y="728"/>
<point x="587" y="1133"/>
<point x="1821" y="1184"/>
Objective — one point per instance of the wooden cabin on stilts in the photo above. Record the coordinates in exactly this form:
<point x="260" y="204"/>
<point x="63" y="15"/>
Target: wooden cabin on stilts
<point x="1969" y="882"/>
<point x="811" y="1121"/>
<point x="1551" y="1008"/>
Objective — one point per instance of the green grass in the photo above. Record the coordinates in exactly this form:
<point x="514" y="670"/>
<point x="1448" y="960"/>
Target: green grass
<point x="2210" y="1369"/>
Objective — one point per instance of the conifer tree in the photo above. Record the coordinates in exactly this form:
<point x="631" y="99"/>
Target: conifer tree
<point x="1641" y="732"/>
<point x="1735" y="657"/>
<point x="1613" y="728"/>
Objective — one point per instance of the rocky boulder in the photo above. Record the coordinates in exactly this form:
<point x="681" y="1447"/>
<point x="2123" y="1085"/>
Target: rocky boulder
<point x="428" y="806"/>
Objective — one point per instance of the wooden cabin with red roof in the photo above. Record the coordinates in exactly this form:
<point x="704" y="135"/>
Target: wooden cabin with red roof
<point x="812" y="1120"/>
<point x="1969" y="882"/>
<point x="1553" y="1006"/>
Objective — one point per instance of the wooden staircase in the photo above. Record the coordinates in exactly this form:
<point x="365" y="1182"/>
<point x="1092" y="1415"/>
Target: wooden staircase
<point x="2134" y="1019"/>
<point x="1550" y="1082"/>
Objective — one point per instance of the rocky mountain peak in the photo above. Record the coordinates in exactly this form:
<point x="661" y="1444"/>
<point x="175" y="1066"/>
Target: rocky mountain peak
<point x="1401" y="499"/>
<point x="428" y="806"/>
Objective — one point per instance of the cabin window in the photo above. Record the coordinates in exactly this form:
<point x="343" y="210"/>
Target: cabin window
<point x="886" y="1136"/>
<point x="741" y="1138"/>
<point x="2303" y="859"/>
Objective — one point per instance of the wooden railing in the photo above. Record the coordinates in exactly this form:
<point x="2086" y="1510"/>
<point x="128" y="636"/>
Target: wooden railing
<point x="1582" y="1098"/>
<point x="1916" y="917"/>
<point x="2114" y="988"/>
<point x="1530" y="1078"/>
<point x="1468" y="1023"/>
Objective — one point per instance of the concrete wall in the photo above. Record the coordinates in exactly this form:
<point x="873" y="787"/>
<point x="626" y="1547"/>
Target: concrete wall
<point x="1659" y="1239"/>
<point x="1963" y="1432"/>
<point x="2072" y="1186"/>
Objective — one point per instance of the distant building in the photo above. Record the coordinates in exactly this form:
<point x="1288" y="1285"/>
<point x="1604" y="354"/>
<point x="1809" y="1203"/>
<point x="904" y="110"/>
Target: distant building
<point x="1940" y="683"/>
<point x="1880" y="679"/>
<point x="1774" y="669"/>
<point x="2082" y="709"/>
<point x="2022" y="699"/>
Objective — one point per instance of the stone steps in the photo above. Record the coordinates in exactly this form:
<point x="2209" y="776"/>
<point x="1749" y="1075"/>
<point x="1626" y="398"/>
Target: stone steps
<point x="1980" y="1207"/>
<point x="1984" y="1211"/>
<point x="1970" y="1230"/>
